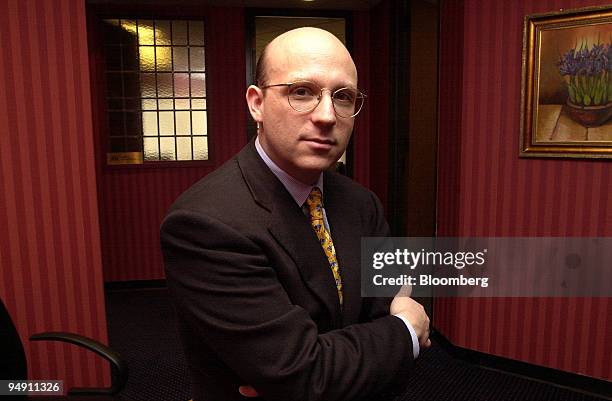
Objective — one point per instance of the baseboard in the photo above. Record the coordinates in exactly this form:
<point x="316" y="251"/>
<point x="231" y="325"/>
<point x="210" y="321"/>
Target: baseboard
<point x="573" y="381"/>
<point x="134" y="285"/>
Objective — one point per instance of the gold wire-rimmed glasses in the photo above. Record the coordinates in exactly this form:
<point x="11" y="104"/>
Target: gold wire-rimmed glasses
<point x="305" y="96"/>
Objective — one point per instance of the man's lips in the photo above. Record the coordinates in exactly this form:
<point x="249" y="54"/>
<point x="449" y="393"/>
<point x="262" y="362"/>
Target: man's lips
<point x="320" y="143"/>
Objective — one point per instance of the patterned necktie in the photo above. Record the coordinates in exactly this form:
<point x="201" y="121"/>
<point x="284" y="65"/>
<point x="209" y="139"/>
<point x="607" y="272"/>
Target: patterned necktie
<point x="315" y="208"/>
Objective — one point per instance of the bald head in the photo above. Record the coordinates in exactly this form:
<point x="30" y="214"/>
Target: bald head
<point x="297" y="43"/>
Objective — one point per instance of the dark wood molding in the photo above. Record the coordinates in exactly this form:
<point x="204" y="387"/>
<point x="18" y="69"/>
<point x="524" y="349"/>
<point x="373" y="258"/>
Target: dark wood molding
<point x="134" y="285"/>
<point x="399" y="119"/>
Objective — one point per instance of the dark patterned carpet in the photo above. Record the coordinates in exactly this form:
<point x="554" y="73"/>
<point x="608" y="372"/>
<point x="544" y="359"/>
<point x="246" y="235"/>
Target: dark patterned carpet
<point x="142" y="329"/>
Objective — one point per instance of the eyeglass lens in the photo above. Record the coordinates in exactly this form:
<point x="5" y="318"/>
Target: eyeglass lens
<point x="305" y="96"/>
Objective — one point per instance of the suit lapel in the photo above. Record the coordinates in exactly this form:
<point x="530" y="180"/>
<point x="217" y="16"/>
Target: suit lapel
<point x="294" y="234"/>
<point x="291" y="229"/>
<point x="347" y="240"/>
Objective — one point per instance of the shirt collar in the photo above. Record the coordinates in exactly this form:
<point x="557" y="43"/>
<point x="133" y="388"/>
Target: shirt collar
<point x="298" y="190"/>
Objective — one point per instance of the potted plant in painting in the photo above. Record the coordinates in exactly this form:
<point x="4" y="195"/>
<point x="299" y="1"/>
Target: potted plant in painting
<point x="588" y="74"/>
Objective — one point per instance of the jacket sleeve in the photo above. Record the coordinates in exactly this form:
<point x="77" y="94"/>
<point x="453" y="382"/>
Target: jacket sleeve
<point x="225" y="288"/>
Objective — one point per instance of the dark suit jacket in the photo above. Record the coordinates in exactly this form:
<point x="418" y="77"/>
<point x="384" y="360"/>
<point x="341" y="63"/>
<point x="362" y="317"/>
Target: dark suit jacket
<point x="255" y="296"/>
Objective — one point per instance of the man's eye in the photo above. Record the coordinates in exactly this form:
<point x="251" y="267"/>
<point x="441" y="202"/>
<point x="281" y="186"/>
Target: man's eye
<point x="302" y="91"/>
<point x="345" y="96"/>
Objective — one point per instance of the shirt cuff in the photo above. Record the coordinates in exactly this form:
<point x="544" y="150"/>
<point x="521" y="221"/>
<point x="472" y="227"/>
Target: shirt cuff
<point x="415" y="340"/>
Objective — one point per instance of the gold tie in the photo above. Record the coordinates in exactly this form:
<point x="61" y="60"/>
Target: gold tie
<point x="315" y="208"/>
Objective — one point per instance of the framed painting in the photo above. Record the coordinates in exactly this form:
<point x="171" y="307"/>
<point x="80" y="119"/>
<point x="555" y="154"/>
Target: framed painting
<point x="566" y="96"/>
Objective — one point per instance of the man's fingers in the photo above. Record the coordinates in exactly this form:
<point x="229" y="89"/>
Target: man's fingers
<point x="427" y="343"/>
<point x="247" y="391"/>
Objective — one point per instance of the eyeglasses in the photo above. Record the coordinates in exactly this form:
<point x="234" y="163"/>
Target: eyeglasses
<point x="305" y="96"/>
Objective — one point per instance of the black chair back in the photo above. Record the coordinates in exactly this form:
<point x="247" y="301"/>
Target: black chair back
<point x="13" y="363"/>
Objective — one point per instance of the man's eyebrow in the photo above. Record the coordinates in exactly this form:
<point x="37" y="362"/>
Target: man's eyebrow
<point x="314" y="81"/>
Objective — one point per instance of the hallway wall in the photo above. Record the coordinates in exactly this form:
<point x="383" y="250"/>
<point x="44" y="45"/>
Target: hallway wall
<point x="51" y="265"/>
<point x="485" y="189"/>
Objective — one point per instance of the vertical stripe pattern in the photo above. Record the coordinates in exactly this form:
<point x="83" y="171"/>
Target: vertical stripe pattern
<point x="484" y="189"/>
<point x="51" y="270"/>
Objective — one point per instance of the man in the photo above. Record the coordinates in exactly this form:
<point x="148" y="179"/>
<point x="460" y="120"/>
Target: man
<point x="264" y="309"/>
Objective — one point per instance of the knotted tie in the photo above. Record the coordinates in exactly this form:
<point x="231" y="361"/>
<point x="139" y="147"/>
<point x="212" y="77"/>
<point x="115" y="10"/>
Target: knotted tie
<point x="315" y="208"/>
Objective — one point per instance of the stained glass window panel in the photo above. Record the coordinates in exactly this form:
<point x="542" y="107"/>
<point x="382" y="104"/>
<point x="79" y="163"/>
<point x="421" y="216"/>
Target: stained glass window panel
<point x="156" y="88"/>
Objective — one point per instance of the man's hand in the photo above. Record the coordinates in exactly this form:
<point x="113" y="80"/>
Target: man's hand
<point x="415" y="313"/>
<point x="247" y="391"/>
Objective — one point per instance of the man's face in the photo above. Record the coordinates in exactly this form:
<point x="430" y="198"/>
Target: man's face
<point x="306" y="143"/>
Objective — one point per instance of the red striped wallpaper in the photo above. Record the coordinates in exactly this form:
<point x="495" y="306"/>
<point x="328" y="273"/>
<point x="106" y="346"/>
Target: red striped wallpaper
<point x="484" y="189"/>
<point x="51" y="274"/>
<point x="133" y="201"/>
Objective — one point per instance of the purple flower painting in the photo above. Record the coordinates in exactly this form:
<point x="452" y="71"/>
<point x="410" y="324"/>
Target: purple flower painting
<point x="566" y="96"/>
<point x="588" y="73"/>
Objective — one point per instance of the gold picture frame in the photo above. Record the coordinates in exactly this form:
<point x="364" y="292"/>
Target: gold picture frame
<point x="566" y="93"/>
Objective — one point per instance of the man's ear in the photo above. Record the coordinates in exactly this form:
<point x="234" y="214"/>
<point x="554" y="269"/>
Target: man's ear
<point x="255" y="100"/>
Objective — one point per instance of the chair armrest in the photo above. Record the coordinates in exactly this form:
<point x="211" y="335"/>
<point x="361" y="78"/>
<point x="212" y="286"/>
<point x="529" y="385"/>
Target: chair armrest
<point x="119" y="368"/>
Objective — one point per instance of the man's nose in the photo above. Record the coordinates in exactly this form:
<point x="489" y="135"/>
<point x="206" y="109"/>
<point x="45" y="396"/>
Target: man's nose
<point x="324" y="113"/>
